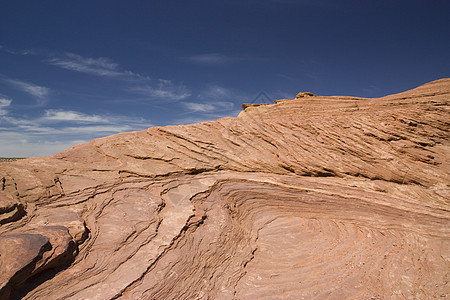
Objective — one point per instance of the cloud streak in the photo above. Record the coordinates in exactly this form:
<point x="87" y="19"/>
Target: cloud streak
<point x="210" y="58"/>
<point x="216" y="92"/>
<point x="208" y="107"/>
<point x="34" y="90"/>
<point x="97" y="66"/>
<point x="63" y="128"/>
<point x="164" y="89"/>
<point x="105" y="67"/>
<point x="4" y="104"/>
<point x="20" y="52"/>
<point x="17" y="144"/>
<point x="53" y="115"/>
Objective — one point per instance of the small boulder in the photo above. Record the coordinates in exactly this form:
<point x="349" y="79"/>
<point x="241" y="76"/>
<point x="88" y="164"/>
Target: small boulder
<point x="10" y="209"/>
<point x="19" y="254"/>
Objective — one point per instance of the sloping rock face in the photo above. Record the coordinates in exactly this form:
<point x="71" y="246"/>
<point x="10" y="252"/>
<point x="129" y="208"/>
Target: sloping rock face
<point x="310" y="198"/>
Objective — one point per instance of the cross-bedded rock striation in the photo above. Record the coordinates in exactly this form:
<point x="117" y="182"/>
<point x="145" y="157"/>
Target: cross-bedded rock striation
<point x="310" y="198"/>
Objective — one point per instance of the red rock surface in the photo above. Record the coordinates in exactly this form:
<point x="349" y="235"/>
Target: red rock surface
<point x="311" y="198"/>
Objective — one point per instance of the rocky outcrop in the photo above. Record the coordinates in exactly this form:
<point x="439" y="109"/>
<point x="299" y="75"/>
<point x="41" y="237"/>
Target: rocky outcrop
<point x="334" y="197"/>
<point x="304" y="95"/>
<point x="245" y="105"/>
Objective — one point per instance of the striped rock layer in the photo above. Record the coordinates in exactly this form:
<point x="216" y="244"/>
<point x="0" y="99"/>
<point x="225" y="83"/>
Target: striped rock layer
<point x="310" y="198"/>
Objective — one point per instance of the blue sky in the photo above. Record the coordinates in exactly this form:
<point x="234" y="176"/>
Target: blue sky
<point x="71" y="71"/>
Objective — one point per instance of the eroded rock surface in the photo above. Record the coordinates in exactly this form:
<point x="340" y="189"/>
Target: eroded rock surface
<point x="333" y="197"/>
<point x="304" y="94"/>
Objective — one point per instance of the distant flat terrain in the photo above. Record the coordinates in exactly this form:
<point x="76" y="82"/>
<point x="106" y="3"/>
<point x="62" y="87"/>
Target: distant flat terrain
<point x="7" y="159"/>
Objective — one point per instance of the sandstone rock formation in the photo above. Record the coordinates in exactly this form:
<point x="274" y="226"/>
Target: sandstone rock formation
<point x="334" y="197"/>
<point x="245" y="105"/>
<point x="304" y="94"/>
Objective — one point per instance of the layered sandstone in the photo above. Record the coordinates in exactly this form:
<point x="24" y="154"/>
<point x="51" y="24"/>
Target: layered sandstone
<point x="310" y="198"/>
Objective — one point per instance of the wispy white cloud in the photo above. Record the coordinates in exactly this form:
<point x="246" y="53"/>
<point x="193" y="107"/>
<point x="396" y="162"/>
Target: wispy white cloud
<point x="72" y="116"/>
<point x="164" y="89"/>
<point x="98" y="66"/>
<point x="142" y="85"/>
<point x="214" y="102"/>
<point x="19" y="144"/>
<point x="4" y="104"/>
<point x="100" y="129"/>
<point x="216" y="92"/>
<point x="27" y="52"/>
<point x="199" y="107"/>
<point x="67" y="118"/>
<point x="210" y="58"/>
<point x="208" y="107"/>
<point x="19" y="52"/>
<point x="37" y="91"/>
<point x="56" y="130"/>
